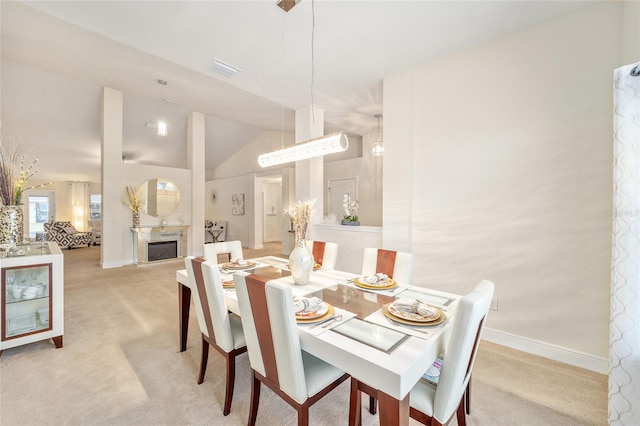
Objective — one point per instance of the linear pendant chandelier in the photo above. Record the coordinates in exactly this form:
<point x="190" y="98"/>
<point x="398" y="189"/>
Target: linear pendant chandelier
<point x="329" y="144"/>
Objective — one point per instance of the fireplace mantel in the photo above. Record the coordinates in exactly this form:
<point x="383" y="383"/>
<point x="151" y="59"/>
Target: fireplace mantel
<point x="144" y="235"/>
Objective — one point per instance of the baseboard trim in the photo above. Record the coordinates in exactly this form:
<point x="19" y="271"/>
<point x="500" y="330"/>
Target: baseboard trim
<point x="547" y="350"/>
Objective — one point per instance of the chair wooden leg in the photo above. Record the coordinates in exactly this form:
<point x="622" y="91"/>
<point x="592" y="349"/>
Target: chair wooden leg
<point x="461" y="413"/>
<point x="467" y="398"/>
<point x="231" y="376"/>
<point x="255" y="399"/>
<point x="373" y="405"/>
<point x="203" y="360"/>
<point x="355" y="404"/>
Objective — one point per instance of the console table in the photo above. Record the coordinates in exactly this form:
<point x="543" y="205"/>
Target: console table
<point x="158" y="243"/>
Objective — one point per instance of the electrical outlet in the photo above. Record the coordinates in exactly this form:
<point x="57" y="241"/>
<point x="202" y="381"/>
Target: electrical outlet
<point x="494" y="304"/>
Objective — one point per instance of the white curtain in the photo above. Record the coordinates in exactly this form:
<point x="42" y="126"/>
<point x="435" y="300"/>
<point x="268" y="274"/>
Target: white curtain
<point x="79" y="204"/>
<point x="624" y="333"/>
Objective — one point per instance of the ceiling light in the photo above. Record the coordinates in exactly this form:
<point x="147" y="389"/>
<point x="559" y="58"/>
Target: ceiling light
<point x="329" y="144"/>
<point x="336" y="142"/>
<point x="161" y="124"/>
<point x="162" y="128"/>
<point x="377" y="148"/>
<point x="223" y="68"/>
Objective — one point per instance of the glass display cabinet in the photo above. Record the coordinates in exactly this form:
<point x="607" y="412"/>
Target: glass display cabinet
<point x="32" y="294"/>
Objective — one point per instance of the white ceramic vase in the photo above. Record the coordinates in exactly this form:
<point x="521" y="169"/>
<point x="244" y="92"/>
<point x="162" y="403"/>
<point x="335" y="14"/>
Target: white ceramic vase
<point x="301" y="263"/>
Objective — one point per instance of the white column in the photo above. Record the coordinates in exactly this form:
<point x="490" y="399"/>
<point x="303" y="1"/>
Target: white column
<point x="310" y="173"/>
<point x="112" y="181"/>
<point x="196" y="156"/>
<point x="288" y="200"/>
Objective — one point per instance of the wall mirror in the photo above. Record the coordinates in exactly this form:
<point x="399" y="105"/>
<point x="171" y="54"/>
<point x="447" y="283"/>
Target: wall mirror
<point x="161" y="196"/>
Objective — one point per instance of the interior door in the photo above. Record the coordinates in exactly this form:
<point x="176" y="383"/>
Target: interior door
<point x="337" y="189"/>
<point x="41" y="209"/>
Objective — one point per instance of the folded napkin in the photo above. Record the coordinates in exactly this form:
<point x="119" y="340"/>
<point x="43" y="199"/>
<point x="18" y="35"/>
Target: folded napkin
<point x="376" y="278"/>
<point x="306" y="304"/>
<point x="412" y="306"/>
<point x="239" y="262"/>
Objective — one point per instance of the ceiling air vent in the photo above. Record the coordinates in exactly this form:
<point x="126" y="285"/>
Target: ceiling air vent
<point x="223" y="68"/>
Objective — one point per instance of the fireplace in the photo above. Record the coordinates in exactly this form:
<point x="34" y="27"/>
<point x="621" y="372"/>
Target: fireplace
<point x="159" y="243"/>
<point x="161" y="250"/>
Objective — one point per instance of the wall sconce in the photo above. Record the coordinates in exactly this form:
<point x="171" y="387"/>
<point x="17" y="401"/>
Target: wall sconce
<point x="335" y="142"/>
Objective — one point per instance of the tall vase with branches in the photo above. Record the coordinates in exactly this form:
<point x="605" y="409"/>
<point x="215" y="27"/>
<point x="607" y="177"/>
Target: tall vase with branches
<point x="301" y="259"/>
<point x="134" y="200"/>
<point x="14" y="177"/>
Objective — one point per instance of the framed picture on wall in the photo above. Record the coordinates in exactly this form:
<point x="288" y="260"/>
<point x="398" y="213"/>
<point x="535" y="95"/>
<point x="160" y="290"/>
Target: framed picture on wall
<point x="237" y="204"/>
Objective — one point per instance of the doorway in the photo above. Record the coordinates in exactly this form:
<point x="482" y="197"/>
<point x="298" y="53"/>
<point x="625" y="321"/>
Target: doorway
<point x="41" y="210"/>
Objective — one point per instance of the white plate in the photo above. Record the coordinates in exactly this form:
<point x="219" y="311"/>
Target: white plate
<point x="323" y="309"/>
<point x="414" y="316"/>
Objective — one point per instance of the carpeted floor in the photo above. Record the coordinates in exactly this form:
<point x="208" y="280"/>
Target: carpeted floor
<point x="120" y="365"/>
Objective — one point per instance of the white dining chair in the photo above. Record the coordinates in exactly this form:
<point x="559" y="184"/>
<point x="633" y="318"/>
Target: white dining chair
<point x="218" y="328"/>
<point x="232" y="250"/>
<point x="436" y="404"/>
<point x="396" y="264"/>
<point x="273" y="343"/>
<point x="324" y="253"/>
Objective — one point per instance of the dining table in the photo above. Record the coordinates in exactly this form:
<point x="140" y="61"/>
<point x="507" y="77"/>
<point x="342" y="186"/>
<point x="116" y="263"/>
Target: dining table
<point x="359" y="336"/>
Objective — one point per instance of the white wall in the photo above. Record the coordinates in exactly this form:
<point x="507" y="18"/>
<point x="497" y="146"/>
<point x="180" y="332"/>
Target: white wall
<point x="220" y="209"/>
<point x="505" y="153"/>
<point x="246" y="159"/>
<point x="631" y="31"/>
<point x="368" y="170"/>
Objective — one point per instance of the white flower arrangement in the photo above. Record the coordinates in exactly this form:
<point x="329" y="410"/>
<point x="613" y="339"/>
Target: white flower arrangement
<point x="300" y="216"/>
<point x="13" y="173"/>
<point x="350" y="208"/>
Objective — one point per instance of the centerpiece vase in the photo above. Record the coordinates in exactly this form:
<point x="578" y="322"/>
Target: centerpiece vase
<point x="11" y="225"/>
<point x="135" y="218"/>
<point x="301" y="263"/>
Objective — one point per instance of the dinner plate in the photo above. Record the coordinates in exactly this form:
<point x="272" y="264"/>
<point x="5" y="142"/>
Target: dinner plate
<point x="439" y="320"/>
<point x="413" y="316"/>
<point x="236" y="267"/>
<point x="388" y="283"/>
<point x="328" y="312"/>
<point x="322" y="309"/>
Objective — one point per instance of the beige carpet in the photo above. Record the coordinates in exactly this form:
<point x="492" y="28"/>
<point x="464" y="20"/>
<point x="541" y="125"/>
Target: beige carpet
<point x="120" y="365"/>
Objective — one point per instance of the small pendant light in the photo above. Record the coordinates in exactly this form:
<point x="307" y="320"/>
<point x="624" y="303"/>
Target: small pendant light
<point x="376" y="148"/>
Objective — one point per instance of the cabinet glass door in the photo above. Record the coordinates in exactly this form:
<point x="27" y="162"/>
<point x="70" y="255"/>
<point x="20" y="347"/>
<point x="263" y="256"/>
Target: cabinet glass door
<point x="26" y="307"/>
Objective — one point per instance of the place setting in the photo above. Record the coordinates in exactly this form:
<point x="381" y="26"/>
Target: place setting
<point x="413" y="312"/>
<point x="227" y="282"/>
<point x="238" y="265"/>
<point x="318" y="315"/>
<point x="410" y="316"/>
<point x="380" y="283"/>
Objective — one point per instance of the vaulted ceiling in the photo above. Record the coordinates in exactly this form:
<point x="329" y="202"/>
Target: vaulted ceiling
<point x="334" y="55"/>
